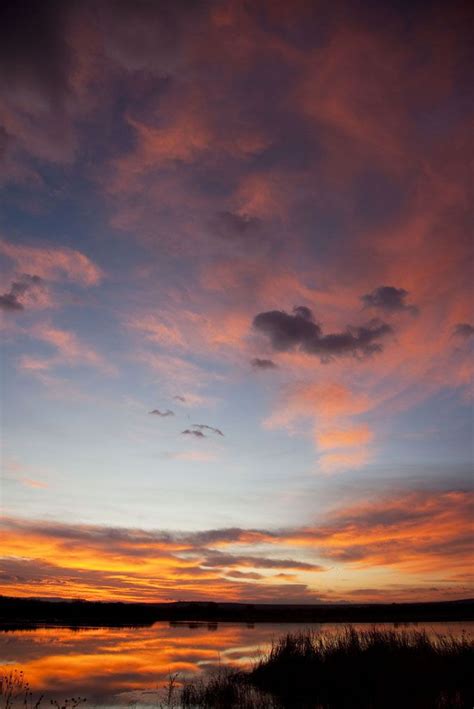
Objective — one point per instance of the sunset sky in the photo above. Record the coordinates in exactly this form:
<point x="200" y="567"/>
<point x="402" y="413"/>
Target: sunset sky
<point x="236" y="299"/>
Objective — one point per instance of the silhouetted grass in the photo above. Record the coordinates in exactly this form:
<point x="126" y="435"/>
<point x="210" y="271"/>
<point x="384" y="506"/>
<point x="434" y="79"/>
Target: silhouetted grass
<point x="373" y="669"/>
<point x="15" y="692"/>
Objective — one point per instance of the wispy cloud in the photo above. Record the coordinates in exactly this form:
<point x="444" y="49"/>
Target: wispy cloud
<point x="411" y="533"/>
<point x="53" y="263"/>
<point x="70" y="351"/>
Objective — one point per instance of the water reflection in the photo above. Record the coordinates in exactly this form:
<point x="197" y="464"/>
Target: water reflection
<point x="123" y="665"/>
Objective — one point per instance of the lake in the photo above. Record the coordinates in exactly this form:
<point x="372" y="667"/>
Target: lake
<point x="130" y="666"/>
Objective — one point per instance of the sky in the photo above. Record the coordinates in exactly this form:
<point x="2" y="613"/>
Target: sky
<point x="236" y="300"/>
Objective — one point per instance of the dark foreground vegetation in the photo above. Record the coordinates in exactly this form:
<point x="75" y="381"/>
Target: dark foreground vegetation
<point x="373" y="669"/>
<point x="370" y="669"/>
<point x="17" y="613"/>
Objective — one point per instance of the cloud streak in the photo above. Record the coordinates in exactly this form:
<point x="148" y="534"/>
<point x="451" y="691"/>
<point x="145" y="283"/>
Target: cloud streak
<point x="53" y="263"/>
<point x="414" y="535"/>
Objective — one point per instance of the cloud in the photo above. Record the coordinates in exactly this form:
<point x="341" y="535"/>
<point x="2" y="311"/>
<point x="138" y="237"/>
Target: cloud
<point x="252" y="575"/>
<point x="464" y="330"/>
<point x="11" y="300"/>
<point x="341" y="461"/>
<point x="40" y="58"/>
<point x="323" y="402"/>
<point x="258" y="363"/>
<point x="53" y="263"/>
<point x="342" y="448"/>
<point x="418" y="531"/>
<point x="191" y="432"/>
<point x="343" y="438"/>
<point x="287" y="332"/>
<point x="222" y="559"/>
<point x="129" y="564"/>
<point x="416" y="536"/>
<point x="157" y="412"/>
<point x="30" y="482"/>
<point x="205" y="427"/>
<point x="232" y="225"/>
<point x="174" y="370"/>
<point x="388" y="298"/>
<point x="23" y="474"/>
<point x="182" y="399"/>
<point x="70" y="351"/>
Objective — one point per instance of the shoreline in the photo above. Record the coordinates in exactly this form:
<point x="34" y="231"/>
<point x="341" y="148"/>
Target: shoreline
<point x="28" y="614"/>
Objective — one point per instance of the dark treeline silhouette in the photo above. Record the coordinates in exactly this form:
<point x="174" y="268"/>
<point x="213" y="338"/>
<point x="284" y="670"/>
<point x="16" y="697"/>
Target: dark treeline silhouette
<point x="365" y="669"/>
<point x="28" y="612"/>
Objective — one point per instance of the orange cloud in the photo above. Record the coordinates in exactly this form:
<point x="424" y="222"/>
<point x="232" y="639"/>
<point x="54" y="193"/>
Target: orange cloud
<point x="414" y="537"/>
<point x="320" y="401"/>
<point x="417" y="533"/>
<point x="343" y="438"/>
<point x="337" y="461"/>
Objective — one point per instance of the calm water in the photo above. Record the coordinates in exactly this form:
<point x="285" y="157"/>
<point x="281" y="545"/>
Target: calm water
<point x="130" y="666"/>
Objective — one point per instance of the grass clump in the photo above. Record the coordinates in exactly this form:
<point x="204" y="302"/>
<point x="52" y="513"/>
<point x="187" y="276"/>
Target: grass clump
<point x="366" y="669"/>
<point x="226" y="688"/>
<point x="15" y="692"/>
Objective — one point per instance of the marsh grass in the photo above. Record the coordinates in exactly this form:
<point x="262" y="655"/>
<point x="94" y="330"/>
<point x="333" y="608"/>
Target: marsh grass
<point x="15" y="692"/>
<point x="373" y="669"/>
<point x="226" y="689"/>
<point x="370" y="669"/>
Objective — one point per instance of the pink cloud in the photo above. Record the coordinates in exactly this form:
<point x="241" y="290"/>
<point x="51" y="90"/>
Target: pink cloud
<point x="53" y="263"/>
<point x="70" y="351"/>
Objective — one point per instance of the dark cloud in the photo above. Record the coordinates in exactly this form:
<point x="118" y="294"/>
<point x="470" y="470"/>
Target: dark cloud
<point x="303" y="312"/>
<point x="288" y="331"/>
<point x="228" y="535"/>
<point x="11" y="299"/>
<point x="34" y="52"/>
<point x="119" y="538"/>
<point x="258" y="363"/>
<point x="182" y="399"/>
<point x="205" y="427"/>
<point x="157" y="412"/>
<point x="235" y="574"/>
<point x="191" y="432"/>
<point x="388" y="298"/>
<point x="221" y="559"/>
<point x="230" y="225"/>
<point x="463" y="329"/>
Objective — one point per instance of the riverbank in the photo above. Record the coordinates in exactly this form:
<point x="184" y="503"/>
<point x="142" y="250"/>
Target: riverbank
<point x="17" y="613"/>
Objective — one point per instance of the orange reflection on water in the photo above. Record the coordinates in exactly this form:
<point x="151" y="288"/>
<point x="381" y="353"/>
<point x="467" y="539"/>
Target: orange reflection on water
<point x="131" y="664"/>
